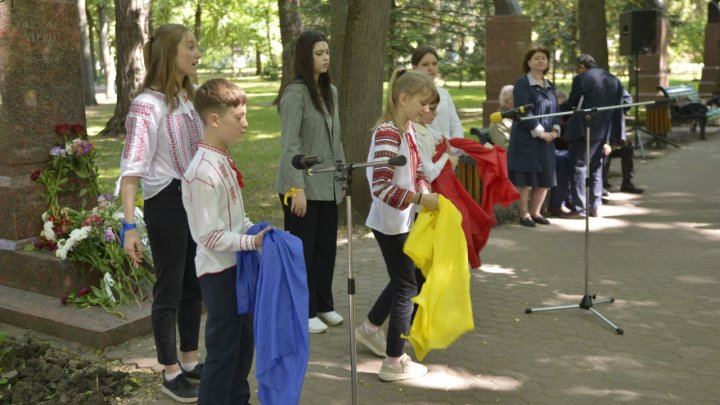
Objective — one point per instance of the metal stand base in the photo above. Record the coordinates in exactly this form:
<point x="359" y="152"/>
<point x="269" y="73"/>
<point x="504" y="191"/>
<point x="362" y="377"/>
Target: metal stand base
<point x="587" y="304"/>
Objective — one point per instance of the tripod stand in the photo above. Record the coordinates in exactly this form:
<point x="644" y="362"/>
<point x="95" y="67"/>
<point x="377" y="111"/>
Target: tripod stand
<point x="344" y="174"/>
<point x="588" y="301"/>
<point x="636" y="124"/>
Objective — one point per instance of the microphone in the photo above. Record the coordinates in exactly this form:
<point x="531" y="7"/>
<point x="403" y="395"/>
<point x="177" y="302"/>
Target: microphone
<point x="398" y="160"/>
<point x="301" y="162"/>
<point x="498" y="116"/>
<point x="663" y="101"/>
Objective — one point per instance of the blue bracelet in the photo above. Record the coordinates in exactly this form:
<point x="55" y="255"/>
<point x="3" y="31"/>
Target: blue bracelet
<point x="125" y="227"/>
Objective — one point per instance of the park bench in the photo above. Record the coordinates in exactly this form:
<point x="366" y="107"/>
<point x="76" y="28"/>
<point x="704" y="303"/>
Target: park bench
<point x="687" y="107"/>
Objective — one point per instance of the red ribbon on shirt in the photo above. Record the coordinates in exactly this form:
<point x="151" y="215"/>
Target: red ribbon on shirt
<point x="237" y="172"/>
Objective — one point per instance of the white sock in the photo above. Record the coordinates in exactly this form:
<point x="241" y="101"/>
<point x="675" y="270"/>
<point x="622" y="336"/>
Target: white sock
<point x="172" y="376"/>
<point x="188" y="366"/>
<point x="393" y="360"/>
<point x="369" y="328"/>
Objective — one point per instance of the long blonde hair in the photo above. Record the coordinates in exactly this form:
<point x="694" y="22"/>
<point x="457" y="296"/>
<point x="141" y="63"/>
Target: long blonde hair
<point x="160" y="53"/>
<point x="408" y="82"/>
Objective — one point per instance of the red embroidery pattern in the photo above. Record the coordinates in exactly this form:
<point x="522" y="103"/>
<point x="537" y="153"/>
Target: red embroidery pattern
<point x="184" y="132"/>
<point x="137" y="126"/>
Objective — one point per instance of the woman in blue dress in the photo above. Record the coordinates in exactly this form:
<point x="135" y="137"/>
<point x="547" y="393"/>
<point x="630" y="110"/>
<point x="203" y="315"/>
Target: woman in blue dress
<point x="531" y="152"/>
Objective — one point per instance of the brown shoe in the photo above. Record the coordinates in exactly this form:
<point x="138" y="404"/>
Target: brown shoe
<point x="593" y="213"/>
<point x="558" y="212"/>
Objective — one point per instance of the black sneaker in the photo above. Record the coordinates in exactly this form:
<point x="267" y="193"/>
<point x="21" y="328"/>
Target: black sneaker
<point x="194" y="374"/>
<point x="180" y="389"/>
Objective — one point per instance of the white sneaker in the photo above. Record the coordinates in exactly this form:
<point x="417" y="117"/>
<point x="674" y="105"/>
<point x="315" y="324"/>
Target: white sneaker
<point x="374" y="341"/>
<point x="315" y="325"/>
<point x="405" y="370"/>
<point x="331" y="318"/>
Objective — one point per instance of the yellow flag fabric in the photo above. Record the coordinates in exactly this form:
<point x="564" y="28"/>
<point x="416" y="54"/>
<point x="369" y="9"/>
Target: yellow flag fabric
<point x="437" y="246"/>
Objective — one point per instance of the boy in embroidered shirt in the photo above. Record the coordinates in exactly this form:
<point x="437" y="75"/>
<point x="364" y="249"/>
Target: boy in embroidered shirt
<point x="213" y="201"/>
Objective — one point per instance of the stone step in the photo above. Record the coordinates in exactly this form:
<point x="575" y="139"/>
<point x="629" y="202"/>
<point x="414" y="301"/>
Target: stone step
<point x="90" y="326"/>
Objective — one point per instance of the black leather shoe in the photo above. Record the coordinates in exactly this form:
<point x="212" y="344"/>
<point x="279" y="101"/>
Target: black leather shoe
<point x="527" y="221"/>
<point x="605" y="193"/>
<point x="630" y="188"/>
<point x="540" y="220"/>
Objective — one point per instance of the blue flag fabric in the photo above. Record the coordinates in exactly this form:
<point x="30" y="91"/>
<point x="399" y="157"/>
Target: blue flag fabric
<point x="282" y="341"/>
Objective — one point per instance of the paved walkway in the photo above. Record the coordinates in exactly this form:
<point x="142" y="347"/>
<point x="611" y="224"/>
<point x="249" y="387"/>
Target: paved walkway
<point x="658" y="254"/>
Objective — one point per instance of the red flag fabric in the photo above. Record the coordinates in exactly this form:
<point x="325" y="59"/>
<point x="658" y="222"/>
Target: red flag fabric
<point x="477" y="220"/>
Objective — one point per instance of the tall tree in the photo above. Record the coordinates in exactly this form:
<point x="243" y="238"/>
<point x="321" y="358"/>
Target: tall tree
<point x="592" y="27"/>
<point x="290" y="29"/>
<point x="198" y="19"/>
<point x="106" y="58"/>
<point x="87" y="63"/>
<point x="361" y="85"/>
<point x="338" y="20"/>
<point x="131" y="32"/>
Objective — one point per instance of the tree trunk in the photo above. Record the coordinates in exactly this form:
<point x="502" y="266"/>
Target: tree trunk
<point x="131" y="32"/>
<point x="338" y="19"/>
<point x="361" y="86"/>
<point x="258" y="60"/>
<point x="108" y="63"/>
<point x="198" y="20"/>
<point x="592" y="25"/>
<point x="91" y="38"/>
<point x="269" y="39"/>
<point x="87" y="67"/>
<point x="290" y="29"/>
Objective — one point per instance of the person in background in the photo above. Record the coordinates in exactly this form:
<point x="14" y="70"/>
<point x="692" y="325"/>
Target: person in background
<point x="500" y="131"/>
<point x="447" y="123"/>
<point x="596" y="87"/>
<point x="531" y="152"/>
<point x="620" y="148"/>
<point x="310" y="125"/>
<point x="560" y="195"/>
<point x="163" y="132"/>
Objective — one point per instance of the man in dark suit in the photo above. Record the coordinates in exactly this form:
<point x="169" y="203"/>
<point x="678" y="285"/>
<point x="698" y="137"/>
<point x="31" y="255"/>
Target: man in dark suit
<point x="592" y="87"/>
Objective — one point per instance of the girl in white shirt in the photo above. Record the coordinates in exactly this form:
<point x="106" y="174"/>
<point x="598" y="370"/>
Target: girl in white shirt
<point x="163" y="131"/>
<point x="395" y="192"/>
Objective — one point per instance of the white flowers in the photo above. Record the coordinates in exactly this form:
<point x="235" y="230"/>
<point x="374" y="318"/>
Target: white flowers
<point x="47" y="231"/>
<point x="66" y="245"/>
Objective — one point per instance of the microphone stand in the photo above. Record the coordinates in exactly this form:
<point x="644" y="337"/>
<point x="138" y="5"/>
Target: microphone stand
<point x="344" y="174"/>
<point x="588" y="301"/>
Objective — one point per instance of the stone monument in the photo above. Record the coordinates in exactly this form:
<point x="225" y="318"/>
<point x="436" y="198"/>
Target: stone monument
<point x="711" y="58"/>
<point x="41" y="87"/>
<point x="507" y="38"/>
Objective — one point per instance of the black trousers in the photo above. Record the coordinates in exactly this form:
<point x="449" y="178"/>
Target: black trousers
<point x="394" y="301"/>
<point x="176" y="293"/>
<point x="627" y="164"/>
<point x="229" y="343"/>
<point x="579" y="167"/>
<point x="318" y="232"/>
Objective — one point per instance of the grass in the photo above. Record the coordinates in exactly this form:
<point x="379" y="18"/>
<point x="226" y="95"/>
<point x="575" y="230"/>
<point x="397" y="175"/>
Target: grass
<point x="257" y="156"/>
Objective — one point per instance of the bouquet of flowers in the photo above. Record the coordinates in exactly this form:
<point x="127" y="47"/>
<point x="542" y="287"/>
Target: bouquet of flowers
<point x="74" y="155"/>
<point x="88" y="237"/>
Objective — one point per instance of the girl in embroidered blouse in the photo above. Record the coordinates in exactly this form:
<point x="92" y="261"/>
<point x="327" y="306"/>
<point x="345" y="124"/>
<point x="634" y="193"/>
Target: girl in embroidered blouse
<point x="310" y="125"/>
<point x="395" y="191"/>
<point x="163" y="131"/>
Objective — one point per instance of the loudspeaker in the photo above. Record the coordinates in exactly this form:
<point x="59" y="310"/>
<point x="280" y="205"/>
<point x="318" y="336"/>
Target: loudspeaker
<point x="638" y="32"/>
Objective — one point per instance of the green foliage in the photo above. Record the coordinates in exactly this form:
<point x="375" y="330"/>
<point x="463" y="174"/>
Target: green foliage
<point x="456" y="28"/>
